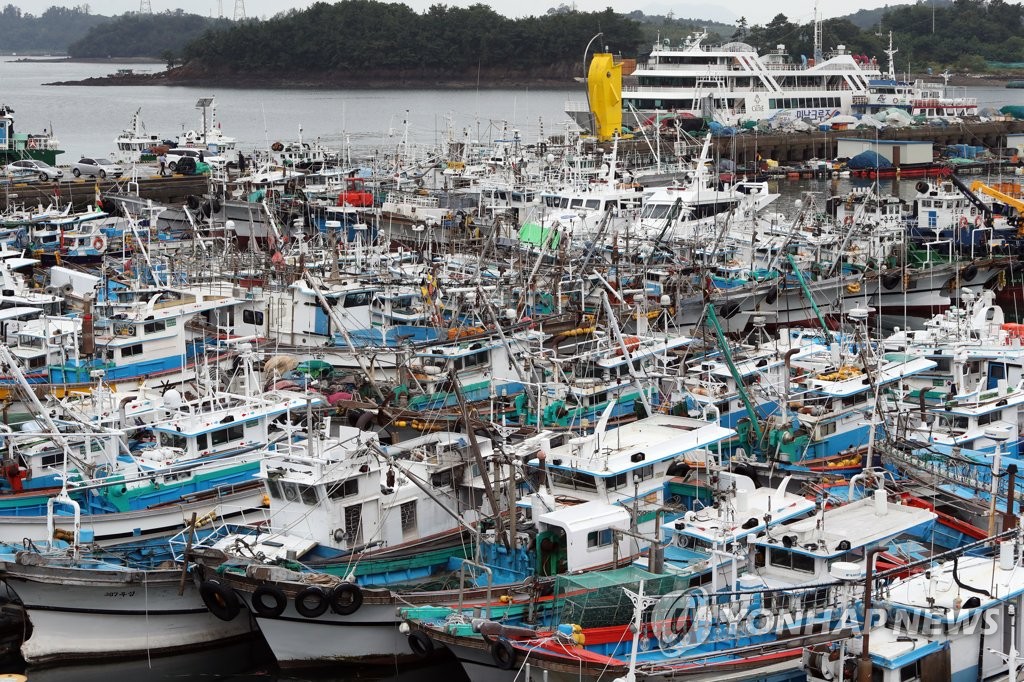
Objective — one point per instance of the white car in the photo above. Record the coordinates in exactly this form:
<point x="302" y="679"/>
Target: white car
<point x="210" y="159"/>
<point x="31" y="168"/>
<point x="96" y="168"/>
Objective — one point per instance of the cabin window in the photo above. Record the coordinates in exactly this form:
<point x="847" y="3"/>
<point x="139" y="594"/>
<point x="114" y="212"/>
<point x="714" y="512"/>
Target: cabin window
<point x="344" y="489"/>
<point x="615" y="482"/>
<point x="155" y="326"/>
<point x="573" y="479"/>
<point x="308" y="493"/>
<point x="354" y="524"/>
<point x="408" y="513"/>
<point x="129" y="351"/>
<point x="52" y="460"/>
<point x="911" y="671"/>
<point x="219" y="437"/>
<point x="172" y="440"/>
<point x="275" y="488"/>
<point x="202" y="442"/>
<point x="356" y="299"/>
<point x="795" y="561"/>
<point x="989" y="417"/>
<point x="818" y="599"/>
<point x="290" y="491"/>
<point x="473" y="360"/>
<point x="956" y="423"/>
<point x="446" y="478"/>
<point x="254" y="317"/>
<point x="599" y="538"/>
<point x="643" y="473"/>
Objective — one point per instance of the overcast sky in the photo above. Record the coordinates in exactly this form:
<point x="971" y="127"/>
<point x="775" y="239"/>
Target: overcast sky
<point x="755" y="11"/>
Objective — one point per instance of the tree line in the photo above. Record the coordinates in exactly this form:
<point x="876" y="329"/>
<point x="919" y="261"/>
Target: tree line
<point x="161" y="35"/>
<point x="371" y="36"/>
<point x="46" y="33"/>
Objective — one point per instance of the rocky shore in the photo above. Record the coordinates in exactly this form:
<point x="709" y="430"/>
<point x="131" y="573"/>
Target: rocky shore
<point x="554" y="77"/>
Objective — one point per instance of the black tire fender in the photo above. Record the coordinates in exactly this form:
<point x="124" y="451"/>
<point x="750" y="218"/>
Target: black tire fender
<point x="192" y="201"/>
<point x="311" y="602"/>
<point x="503" y="653"/>
<point x="772" y="295"/>
<point x="970" y="272"/>
<point x="891" y="280"/>
<point x="220" y="599"/>
<point x="346" y="598"/>
<point x="273" y="609"/>
<point x="420" y="643"/>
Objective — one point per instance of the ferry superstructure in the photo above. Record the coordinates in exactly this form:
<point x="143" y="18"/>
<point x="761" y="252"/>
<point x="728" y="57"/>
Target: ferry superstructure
<point x="732" y="83"/>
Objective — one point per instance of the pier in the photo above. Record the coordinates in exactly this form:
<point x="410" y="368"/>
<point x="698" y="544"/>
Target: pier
<point x="82" y="191"/>
<point x="798" y="147"/>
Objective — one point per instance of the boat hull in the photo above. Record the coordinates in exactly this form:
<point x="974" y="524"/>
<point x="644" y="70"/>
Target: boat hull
<point x="111" y="527"/>
<point x="105" y="615"/>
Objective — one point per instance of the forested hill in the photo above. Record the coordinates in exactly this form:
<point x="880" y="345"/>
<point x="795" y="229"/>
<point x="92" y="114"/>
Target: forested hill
<point x="365" y="41"/>
<point x="132" y="34"/>
<point x="50" y="32"/>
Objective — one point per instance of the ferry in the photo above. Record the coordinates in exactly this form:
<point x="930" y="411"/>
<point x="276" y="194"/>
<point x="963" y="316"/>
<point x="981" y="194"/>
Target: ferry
<point x="732" y="83"/>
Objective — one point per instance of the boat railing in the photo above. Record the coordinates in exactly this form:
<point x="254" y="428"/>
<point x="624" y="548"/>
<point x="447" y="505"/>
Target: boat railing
<point x="242" y="519"/>
<point x="462" y="583"/>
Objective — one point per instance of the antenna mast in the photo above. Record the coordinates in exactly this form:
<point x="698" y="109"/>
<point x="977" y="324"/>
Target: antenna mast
<point x="890" y="53"/>
<point x="239" y="10"/>
<point x="818" y="54"/>
<point x="145" y="7"/>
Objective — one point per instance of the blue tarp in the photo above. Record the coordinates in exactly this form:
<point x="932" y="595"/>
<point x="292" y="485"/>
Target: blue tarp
<point x="719" y="130"/>
<point x="868" y="159"/>
<point x="964" y="151"/>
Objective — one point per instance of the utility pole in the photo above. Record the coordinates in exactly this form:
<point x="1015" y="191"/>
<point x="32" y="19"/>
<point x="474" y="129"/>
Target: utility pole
<point x="145" y="7"/>
<point x="239" y="10"/>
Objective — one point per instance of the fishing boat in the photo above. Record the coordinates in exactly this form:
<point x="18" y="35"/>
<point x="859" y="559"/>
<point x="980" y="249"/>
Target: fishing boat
<point x="16" y="146"/>
<point x="83" y="603"/>
<point x="134" y="143"/>
<point x="954" y="620"/>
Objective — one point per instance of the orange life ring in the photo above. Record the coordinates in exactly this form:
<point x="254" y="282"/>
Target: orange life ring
<point x="848" y="220"/>
<point x="977" y="221"/>
<point x="963" y="221"/>
<point x="98" y="243"/>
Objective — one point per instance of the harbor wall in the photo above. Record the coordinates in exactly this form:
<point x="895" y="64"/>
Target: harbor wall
<point x="791" y="148"/>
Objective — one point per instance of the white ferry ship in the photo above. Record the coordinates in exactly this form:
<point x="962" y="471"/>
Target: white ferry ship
<point x="732" y="83"/>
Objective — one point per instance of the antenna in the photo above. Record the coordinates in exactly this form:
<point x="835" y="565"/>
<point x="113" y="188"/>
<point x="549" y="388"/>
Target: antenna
<point x="818" y="54"/>
<point x="890" y="53"/>
<point x="145" y="7"/>
<point x="220" y="9"/>
<point x="239" y="10"/>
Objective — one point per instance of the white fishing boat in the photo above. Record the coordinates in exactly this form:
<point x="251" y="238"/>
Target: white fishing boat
<point x="134" y="142"/>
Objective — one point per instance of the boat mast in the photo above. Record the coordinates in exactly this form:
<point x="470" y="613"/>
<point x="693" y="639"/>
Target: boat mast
<point x="819" y="55"/>
<point x="890" y="52"/>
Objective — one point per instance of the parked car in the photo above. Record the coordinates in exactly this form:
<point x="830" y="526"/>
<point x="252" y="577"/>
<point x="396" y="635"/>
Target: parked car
<point x="96" y="168"/>
<point x="175" y="155"/>
<point x="34" y="168"/>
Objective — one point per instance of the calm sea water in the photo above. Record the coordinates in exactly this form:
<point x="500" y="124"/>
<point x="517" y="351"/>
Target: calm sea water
<point x="87" y="119"/>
